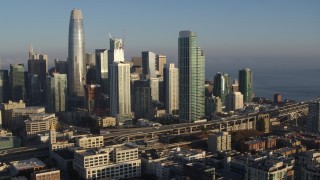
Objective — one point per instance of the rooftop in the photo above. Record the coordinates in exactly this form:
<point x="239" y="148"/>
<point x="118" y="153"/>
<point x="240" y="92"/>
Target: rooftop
<point x="27" y="164"/>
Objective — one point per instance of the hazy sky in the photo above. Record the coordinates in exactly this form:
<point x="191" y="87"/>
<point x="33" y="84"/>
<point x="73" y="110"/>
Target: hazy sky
<point x="234" y="34"/>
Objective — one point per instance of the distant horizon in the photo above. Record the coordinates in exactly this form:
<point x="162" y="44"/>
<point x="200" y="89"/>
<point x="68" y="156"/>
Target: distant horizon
<point x="255" y="34"/>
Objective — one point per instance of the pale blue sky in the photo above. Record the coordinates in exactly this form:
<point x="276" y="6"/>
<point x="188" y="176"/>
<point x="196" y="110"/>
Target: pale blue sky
<point x="233" y="33"/>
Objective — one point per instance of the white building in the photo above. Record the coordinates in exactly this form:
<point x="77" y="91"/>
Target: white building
<point x="154" y="86"/>
<point x="172" y="88"/>
<point x="234" y="101"/>
<point x="110" y="162"/>
<point x="120" y="99"/>
<point x="21" y="114"/>
<point x="89" y="141"/>
<point x="220" y="141"/>
<point x="38" y="123"/>
<point x="149" y="64"/>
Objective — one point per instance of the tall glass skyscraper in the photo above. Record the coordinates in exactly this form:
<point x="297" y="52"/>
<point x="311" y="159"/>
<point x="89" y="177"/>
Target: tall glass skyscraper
<point x="246" y="84"/>
<point x="222" y="86"/>
<point x="76" y="55"/>
<point x="17" y="82"/>
<point x="191" y="78"/>
<point x="56" y="95"/>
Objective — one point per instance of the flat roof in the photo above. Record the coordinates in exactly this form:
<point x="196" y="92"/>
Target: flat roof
<point x="28" y="164"/>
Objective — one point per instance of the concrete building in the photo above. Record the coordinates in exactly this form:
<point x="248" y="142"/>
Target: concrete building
<point x="246" y="84"/>
<point x="154" y="86"/>
<point x="161" y="60"/>
<point x="27" y="166"/>
<point x="277" y="98"/>
<point x="253" y="145"/>
<point x="149" y="64"/>
<point x="191" y="78"/>
<point x="120" y="99"/>
<point x="235" y="86"/>
<point x="89" y="141"/>
<point x="46" y="174"/>
<point x="7" y="112"/>
<point x="110" y="162"/>
<point x="171" y="89"/>
<point x="61" y="67"/>
<point x="213" y="105"/>
<point x="105" y="121"/>
<point x="310" y="171"/>
<point x="7" y="142"/>
<point x="220" y="141"/>
<point x="38" y="123"/>
<point x="57" y="93"/>
<point x="93" y="98"/>
<point x="17" y="82"/>
<point x="234" y="101"/>
<point x="21" y="114"/>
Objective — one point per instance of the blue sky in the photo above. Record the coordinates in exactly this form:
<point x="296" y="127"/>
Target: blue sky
<point x="234" y="34"/>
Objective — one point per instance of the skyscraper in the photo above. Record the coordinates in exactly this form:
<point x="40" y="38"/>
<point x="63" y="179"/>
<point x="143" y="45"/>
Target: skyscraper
<point x="149" y="64"/>
<point x="246" y="84"/>
<point x="172" y="89"/>
<point x="221" y="86"/>
<point x="234" y="101"/>
<point x="33" y="91"/>
<point x="120" y="99"/>
<point x="191" y="78"/>
<point x="102" y="68"/>
<point x="142" y="105"/>
<point x="161" y="60"/>
<point x="56" y="95"/>
<point x="17" y="82"/>
<point x="154" y="85"/>
<point x="38" y="64"/>
<point x="313" y="121"/>
<point x="61" y="66"/>
<point x="76" y="55"/>
<point x="4" y="86"/>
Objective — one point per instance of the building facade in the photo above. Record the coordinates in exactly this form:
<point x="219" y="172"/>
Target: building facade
<point x="76" y="55"/>
<point x="172" y="89"/>
<point x="246" y="84"/>
<point x="221" y="86"/>
<point x="57" y="93"/>
<point x="220" y="141"/>
<point x="149" y="64"/>
<point x="4" y="86"/>
<point x="191" y="78"/>
<point x="17" y="82"/>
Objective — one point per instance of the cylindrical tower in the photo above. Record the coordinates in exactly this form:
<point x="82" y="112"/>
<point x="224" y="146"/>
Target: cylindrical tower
<point x="76" y="54"/>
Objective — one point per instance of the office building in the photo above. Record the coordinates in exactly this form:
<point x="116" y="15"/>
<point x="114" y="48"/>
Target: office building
<point x="191" y="78"/>
<point x="90" y="60"/>
<point x="161" y="61"/>
<point x="102" y="69"/>
<point x="234" y="101"/>
<point x="120" y="99"/>
<point x="8" y="142"/>
<point x="56" y="95"/>
<point x="46" y="174"/>
<point x="213" y="105"/>
<point x="38" y="65"/>
<point x="277" y="98"/>
<point x="116" y="51"/>
<point x="220" y="141"/>
<point x="38" y="123"/>
<point x="89" y="141"/>
<point x="235" y="86"/>
<point x="93" y="97"/>
<point x="17" y="82"/>
<point x="221" y="86"/>
<point x="26" y="166"/>
<point x="19" y="115"/>
<point x="34" y="91"/>
<point x="136" y="61"/>
<point x="115" y="162"/>
<point x="154" y="85"/>
<point x="246" y="84"/>
<point x="142" y="106"/>
<point x="171" y="89"/>
<point x="61" y="67"/>
<point x="149" y="64"/>
<point x="7" y="112"/>
<point x="4" y="86"/>
<point x="313" y="121"/>
<point x="76" y="55"/>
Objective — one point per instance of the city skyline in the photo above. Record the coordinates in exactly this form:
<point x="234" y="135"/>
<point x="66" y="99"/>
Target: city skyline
<point x="247" y="33"/>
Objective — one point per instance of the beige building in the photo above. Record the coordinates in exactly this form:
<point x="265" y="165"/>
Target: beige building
<point x="21" y="114"/>
<point x="110" y="162"/>
<point x="161" y="60"/>
<point x="7" y="111"/>
<point x="40" y="123"/>
<point x="89" y="141"/>
<point x="220" y="141"/>
<point x="172" y="89"/>
<point x="106" y="121"/>
<point x="47" y="174"/>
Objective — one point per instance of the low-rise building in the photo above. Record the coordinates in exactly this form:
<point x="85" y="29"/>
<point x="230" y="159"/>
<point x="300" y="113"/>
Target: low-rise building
<point x="89" y="141"/>
<point x="47" y="174"/>
<point x="253" y="145"/>
<point x="39" y="123"/>
<point x="105" y="121"/>
<point x="111" y="162"/>
<point x="21" y="114"/>
<point x="26" y="166"/>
